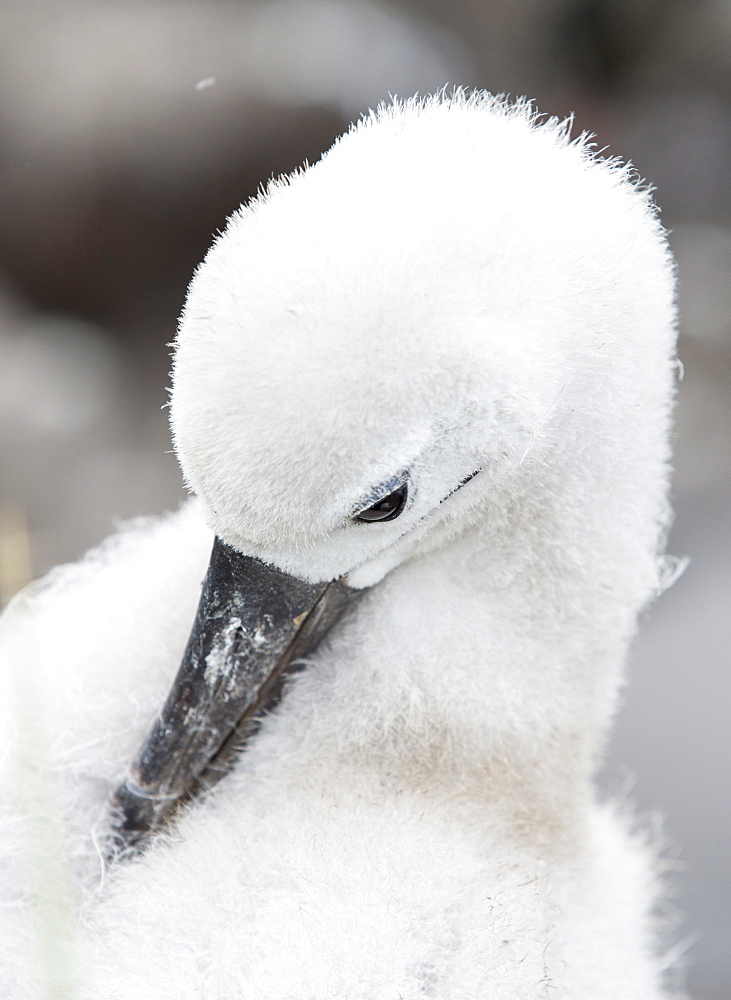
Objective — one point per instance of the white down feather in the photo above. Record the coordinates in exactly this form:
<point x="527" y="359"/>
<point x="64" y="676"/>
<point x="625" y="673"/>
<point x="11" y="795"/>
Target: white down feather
<point x="454" y="286"/>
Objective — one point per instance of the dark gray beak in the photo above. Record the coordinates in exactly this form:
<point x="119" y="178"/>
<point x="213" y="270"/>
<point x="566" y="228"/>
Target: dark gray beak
<point x="253" y="623"/>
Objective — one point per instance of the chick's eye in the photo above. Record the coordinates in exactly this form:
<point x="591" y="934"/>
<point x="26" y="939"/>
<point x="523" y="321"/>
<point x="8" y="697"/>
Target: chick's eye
<point x="386" y="509"/>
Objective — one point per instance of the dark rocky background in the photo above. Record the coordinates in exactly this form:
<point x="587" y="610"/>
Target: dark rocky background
<point x="130" y="130"/>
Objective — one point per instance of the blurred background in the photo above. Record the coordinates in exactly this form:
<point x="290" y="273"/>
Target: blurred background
<point x="130" y="130"/>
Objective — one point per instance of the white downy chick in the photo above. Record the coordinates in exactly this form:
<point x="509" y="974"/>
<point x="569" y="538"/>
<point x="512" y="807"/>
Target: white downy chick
<point x="460" y="309"/>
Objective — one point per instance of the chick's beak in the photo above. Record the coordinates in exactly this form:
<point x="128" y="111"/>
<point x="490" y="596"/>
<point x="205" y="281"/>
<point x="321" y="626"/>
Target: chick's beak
<point x="253" y="622"/>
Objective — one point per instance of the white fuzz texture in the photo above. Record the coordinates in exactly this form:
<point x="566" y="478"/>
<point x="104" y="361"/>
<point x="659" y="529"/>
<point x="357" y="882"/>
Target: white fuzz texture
<point x="455" y="286"/>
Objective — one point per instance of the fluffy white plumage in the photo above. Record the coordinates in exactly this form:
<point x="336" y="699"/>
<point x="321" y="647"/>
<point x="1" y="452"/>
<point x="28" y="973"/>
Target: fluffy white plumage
<point x="454" y="286"/>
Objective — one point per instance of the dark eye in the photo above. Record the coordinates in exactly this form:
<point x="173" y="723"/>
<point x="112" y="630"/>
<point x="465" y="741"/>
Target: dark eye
<point x="385" y="509"/>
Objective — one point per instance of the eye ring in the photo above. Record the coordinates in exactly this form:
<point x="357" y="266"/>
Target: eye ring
<point x="388" y="508"/>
